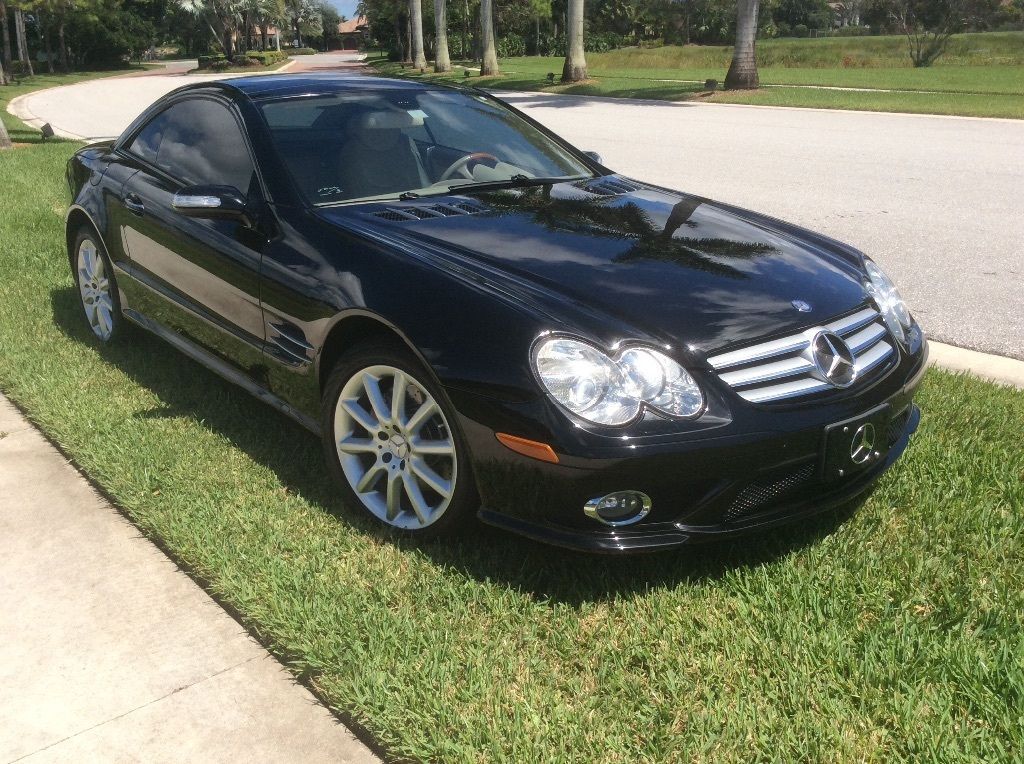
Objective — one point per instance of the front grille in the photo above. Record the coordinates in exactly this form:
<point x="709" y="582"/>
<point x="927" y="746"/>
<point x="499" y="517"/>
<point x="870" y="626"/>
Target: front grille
<point x="896" y="426"/>
<point x="784" y="368"/>
<point x="769" y="489"/>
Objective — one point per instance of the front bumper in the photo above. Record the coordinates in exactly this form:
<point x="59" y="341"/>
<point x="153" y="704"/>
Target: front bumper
<point x="793" y="503"/>
<point x="706" y="488"/>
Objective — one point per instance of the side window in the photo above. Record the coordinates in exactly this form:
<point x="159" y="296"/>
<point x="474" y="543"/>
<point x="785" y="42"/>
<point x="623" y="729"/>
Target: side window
<point x="199" y="142"/>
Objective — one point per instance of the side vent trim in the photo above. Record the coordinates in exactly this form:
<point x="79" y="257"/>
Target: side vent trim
<point x="429" y="211"/>
<point x="609" y="185"/>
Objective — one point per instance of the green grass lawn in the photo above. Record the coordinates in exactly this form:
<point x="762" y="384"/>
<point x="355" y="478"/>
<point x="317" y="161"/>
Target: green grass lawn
<point x="893" y="634"/>
<point x="981" y="75"/>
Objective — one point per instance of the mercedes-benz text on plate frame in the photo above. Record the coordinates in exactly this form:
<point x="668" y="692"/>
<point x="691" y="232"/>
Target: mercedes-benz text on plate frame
<point x="482" y="322"/>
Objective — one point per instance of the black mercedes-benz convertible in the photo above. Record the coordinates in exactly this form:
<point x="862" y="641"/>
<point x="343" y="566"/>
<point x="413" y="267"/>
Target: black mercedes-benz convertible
<point x="478" y="318"/>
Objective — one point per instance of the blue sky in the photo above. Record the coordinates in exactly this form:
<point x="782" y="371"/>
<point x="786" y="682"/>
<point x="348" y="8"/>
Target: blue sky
<point x="346" y="8"/>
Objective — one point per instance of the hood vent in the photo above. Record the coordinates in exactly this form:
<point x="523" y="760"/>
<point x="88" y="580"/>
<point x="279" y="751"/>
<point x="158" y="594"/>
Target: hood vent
<point x="610" y="185"/>
<point x="425" y="212"/>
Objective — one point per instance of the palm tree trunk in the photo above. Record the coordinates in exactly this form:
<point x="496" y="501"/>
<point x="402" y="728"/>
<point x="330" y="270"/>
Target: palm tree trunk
<point x="465" y="29"/>
<point x="3" y="81"/>
<point x="5" y="139"/>
<point x="265" y="36"/>
<point x="47" y="31"/>
<point x="63" y="45"/>
<point x="6" y="33"/>
<point x="489" y="62"/>
<point x="442" y="61"/>
<point x="743" y="69"/>
<point x="19" y="32"/>
<point x="399" y="37"/>
<point x="408" y="36"/>
<point x="419" y="60"/>
<point x="575" y="67"/>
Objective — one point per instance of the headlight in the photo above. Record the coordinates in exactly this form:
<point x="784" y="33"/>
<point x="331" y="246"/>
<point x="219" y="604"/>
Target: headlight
<point x="612" y="391"/>
<point x="890" y="302"/>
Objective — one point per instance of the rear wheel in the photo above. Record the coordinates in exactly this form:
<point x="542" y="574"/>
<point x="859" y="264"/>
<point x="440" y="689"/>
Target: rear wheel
<point x="97" y="289"/>
<point x="390" y="440"/>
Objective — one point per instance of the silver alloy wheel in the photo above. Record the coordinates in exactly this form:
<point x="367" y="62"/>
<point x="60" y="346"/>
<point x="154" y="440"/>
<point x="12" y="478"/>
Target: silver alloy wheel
<point x="94" y="286"/>
<point x="402" y="466"/>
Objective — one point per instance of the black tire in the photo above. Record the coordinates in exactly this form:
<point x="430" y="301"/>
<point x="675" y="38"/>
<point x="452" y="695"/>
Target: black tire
<point x="456" y="469"/>
<point x="105" y="321"/>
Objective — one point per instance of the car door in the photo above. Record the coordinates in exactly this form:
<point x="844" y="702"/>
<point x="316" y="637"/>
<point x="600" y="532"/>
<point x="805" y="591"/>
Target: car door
<point x="198" y="277"/>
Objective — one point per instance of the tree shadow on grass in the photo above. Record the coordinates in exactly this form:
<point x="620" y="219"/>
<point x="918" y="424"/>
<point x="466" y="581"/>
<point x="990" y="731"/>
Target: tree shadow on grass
<point x="293" y="454"/>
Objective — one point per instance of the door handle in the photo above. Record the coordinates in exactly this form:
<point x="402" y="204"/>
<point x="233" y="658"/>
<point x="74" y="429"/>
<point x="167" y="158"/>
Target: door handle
<point x="134" y="204"/>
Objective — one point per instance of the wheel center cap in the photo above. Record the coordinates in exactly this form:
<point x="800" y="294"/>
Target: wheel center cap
<point x="399" y="447"/>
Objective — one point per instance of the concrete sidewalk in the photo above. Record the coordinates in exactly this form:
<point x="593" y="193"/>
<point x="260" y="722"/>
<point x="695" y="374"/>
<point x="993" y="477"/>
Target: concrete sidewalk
<point x="109" y="652"/>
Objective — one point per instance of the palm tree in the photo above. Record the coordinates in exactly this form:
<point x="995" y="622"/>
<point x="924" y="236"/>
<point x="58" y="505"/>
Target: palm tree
<point x="5" y="139"/>
<point x="220" y="15"/>
<point x="6" y="34"/>
<point x="442" y="61"/>
<point x="743" y="69"/>
<point x="419" y="61"/>
<point x="575" y="67"/>
<point x="489" y="64"/>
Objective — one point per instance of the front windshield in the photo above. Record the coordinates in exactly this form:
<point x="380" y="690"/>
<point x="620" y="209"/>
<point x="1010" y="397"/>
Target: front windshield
<point x="358" y="146"/>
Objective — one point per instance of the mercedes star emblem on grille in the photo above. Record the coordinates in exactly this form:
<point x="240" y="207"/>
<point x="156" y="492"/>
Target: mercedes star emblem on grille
<point x="863" y="443"/>
<point x="833" y="359"/>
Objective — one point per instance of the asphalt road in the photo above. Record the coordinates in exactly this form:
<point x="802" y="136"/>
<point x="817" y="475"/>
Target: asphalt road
<point x="937" y="201"/>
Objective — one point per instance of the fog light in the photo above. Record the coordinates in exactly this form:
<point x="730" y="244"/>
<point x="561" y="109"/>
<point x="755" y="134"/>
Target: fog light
<point x="619" y="508"/>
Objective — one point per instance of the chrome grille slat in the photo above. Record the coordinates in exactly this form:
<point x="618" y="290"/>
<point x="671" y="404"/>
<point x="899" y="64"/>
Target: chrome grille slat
<point x="769" y="371"/>
<point x="784" y="368"/>
<point x="804" y="386"/>
<point x="873" y="357"/>
<point x="865" y="338"/>
<point x="849" y="324"/>
<point x="759" y="352"/>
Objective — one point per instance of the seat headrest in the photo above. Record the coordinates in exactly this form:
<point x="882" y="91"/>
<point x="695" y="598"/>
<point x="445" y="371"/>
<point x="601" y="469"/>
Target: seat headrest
<point x="388" y="120"/>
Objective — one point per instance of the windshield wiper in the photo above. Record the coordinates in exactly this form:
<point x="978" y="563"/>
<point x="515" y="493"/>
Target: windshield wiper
<point x="516" y="181"/>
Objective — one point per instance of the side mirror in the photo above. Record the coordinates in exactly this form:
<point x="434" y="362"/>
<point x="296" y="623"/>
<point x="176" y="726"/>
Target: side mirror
<point x="593" y="156"/>
<point x="212" y="202"/>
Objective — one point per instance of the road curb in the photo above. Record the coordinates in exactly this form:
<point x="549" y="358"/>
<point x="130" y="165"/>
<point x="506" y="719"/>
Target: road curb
<point x="992" y="368"/>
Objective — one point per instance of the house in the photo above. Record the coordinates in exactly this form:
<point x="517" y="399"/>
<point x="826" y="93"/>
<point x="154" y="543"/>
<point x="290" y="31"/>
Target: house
<point x="353" y="33"/>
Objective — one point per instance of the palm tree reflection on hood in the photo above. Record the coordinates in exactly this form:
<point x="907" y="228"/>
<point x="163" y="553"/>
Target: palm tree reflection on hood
<point x="595" y="217"/>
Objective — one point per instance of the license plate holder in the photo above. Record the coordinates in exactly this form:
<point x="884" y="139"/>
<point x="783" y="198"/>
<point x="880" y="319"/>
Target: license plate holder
<point x="856" y="444"/>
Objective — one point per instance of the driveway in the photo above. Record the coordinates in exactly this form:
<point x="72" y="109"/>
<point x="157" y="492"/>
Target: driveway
<point x="935" y="200"/>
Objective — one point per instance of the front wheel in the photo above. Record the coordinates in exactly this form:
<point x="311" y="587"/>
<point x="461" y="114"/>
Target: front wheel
<point x="391" y="442"/>
<point x="97" y="289"/>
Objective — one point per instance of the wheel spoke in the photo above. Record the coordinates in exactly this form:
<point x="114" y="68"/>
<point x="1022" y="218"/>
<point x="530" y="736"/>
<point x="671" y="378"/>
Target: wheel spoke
<point x="398" y="399"/>
<point x="394" y="498"/>
<point x="104" y="318"/>
<point x="380" y="406"/>
<point x="370" y="477"/>
<point x="87" y="261"/>
<point x="419" y="504"/>
<point x="423" y="413"/>
<point x="432" y="447"/>
<point x="361" y="415"/>
<point x="352" y="445"/>
<point x="437" y="483"/>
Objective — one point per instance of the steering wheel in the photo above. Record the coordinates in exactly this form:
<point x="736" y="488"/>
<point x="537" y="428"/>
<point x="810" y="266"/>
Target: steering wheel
<point x="461" y="165"/>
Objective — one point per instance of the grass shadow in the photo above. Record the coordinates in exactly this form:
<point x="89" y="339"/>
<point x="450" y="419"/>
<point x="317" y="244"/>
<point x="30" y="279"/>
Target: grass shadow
<point x="188" y="390"/>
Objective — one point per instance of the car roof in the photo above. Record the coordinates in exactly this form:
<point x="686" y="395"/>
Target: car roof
<point x="256" y="87"/>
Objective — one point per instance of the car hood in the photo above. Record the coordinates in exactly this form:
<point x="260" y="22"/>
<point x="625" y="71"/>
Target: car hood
<point x="680" y="269"/>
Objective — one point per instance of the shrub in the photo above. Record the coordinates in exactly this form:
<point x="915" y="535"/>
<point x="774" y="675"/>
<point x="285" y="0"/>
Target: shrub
<point x="510" y="45"/>
<point x="208" y="62"/>
<point x="851" y="32"/>
<point x="603" y="42"/>
<point x="267" y="57"/>
<point x="301" y="51"/>
<point x="801" y="30"/>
